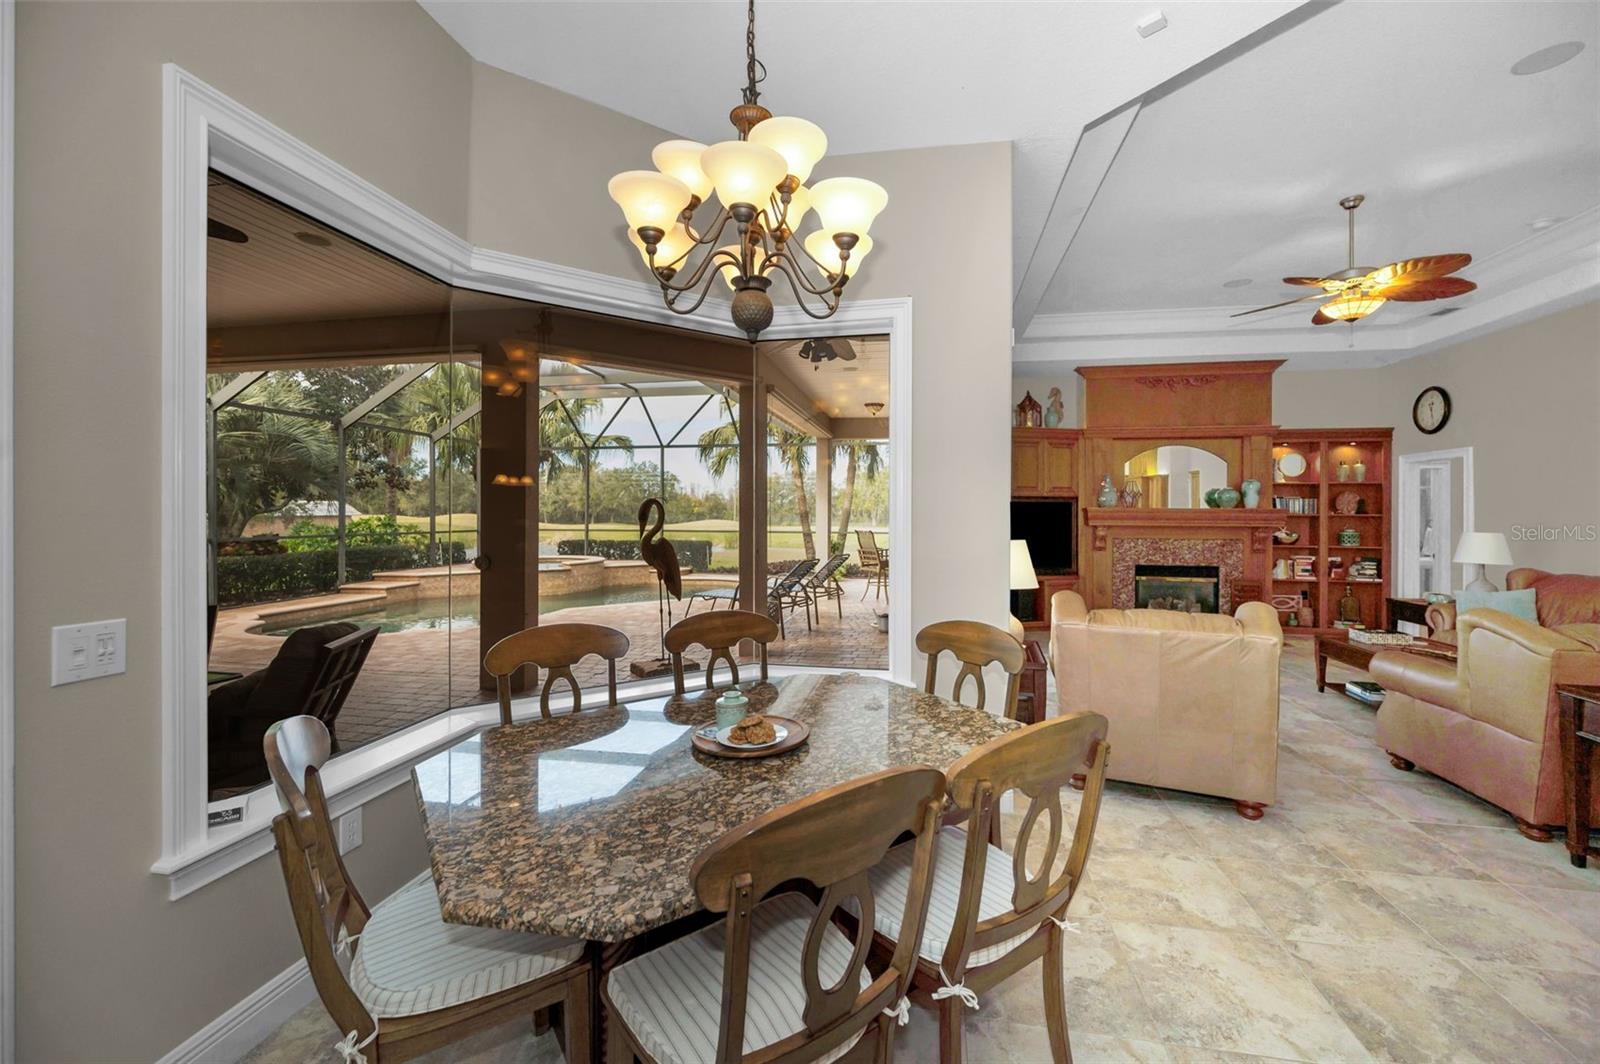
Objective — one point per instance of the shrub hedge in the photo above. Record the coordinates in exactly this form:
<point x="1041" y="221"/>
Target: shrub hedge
<point x="243" y="579"/>
<point x="693" y="553"/>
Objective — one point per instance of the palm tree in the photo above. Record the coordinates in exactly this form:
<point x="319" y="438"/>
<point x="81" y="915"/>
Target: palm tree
<point x="264" y="460"/>
<point x="561" y="445"/>
<point x="868" y="456"/>
<point x="719" y="452"/>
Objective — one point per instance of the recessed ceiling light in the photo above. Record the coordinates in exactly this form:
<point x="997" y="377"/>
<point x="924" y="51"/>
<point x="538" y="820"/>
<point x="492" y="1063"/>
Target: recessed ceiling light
<point x="316" y="240"/>
<point x="1539" y="225"/>
<point x="1547" y="58"/>
<point x="1237" y="282"/>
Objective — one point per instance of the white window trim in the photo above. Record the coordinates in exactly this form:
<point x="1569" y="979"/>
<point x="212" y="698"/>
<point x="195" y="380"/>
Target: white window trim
<point x="203" y="128"/>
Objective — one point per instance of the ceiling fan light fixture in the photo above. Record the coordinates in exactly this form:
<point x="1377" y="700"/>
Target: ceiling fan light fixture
<point x="1547" y="58"/>
<point x="1351" y="306"/>
<point x="873" y="408"/>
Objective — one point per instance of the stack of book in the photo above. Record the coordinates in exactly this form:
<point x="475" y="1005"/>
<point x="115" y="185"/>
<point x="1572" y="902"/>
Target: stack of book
<point x="1303" y="566"/>
<point x="1364" y="691"/>
<point x="1365" y="569"/>
<point x="1378" y="637"/>
<point x="1294" y="505"/>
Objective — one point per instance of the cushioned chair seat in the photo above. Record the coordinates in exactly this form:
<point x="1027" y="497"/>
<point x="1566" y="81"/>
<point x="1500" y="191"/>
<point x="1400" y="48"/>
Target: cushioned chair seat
<point x="892" y="876"/>
<point x="409" y="961"/>
<point x="671" y="998"/>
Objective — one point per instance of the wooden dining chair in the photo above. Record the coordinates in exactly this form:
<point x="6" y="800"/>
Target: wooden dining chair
<point x="778" y="979"/>
<point x="554" y="648"/>
<point x="414" y="983"/>
<point x="719" y="633"/>
<point x="992" y="913"/>
<point x="975" y="645"/>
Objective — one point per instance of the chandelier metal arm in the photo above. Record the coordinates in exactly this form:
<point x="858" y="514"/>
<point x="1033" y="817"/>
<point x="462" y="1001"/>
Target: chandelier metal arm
<point x="673" y="296"/>
<point x="829" y="306"/>
<point x="844" y="264"/>
<point x="700" y="270"/>
<point x="796" y="273"/>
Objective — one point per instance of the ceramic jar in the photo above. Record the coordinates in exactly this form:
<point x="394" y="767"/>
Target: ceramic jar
<point x="1228" y="498"/>
<point x="1251" y="489"/>
<point x="1210" y="497"/>
<point x="1108" y="492"/>
<point x="1344" y="471"/>
<point x="1349" y="537"/>
<point x="1360" y="470"/>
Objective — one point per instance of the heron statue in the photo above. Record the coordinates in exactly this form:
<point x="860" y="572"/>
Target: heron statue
<point x="659" y="553"/>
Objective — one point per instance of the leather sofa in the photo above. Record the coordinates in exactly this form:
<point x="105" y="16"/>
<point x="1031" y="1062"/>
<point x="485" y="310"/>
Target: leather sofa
<point x="1192" y="699"/>
<point x="1559" y="598"/>
<point x="1488" y="721"/>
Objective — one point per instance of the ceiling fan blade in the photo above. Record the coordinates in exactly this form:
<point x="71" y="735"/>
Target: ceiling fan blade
<point x="1410" y="271"/>
<point x="1313" y="281"/>
<point x="1437" y="288"/>
<point x="223" y="231"/>
<point x="1285" y="303"/>
<point x="1320" y="318"/>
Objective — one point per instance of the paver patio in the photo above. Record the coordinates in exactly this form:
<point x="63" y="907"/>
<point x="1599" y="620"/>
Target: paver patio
<point x="410" y="676"/>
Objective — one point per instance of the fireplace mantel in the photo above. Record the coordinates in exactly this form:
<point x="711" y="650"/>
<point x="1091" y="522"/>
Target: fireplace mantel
<point x="1261" y="523"/>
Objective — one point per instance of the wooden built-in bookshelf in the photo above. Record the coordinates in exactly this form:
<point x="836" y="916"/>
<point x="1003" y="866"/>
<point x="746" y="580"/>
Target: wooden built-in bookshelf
<point x="1319" y="488"/>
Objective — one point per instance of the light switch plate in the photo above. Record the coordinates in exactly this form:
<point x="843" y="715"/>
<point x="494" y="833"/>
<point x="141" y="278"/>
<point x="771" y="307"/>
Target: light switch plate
<point x="88" y="651"/>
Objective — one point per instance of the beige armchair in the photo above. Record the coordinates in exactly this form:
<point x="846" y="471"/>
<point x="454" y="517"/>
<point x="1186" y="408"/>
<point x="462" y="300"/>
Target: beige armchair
<point x="1488" y="721"/>
<point x="1192" y="698"/>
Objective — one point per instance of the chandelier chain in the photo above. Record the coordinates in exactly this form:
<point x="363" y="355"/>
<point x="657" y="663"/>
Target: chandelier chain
<point x="751" y="64"/>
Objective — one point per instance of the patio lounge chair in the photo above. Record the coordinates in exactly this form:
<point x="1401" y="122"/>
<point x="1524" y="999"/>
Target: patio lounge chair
<point x="714" y="595"/>
<point x="824" y="584"/>
<point x="788" y="592"/>
<point x="874" y="562"/>
<point x="311" y="675"/>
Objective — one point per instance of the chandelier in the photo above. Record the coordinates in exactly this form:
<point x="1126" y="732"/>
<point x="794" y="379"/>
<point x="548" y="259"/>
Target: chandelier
<point x="759" y="180"/>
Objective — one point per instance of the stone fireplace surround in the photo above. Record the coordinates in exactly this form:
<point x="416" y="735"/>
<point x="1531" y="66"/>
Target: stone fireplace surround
<point x="1129" y="551"/>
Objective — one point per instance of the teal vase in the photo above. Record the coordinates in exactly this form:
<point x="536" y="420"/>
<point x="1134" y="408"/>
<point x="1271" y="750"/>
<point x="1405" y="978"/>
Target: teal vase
<point x="1211" y="497"/>
<point x="1227" y="498"/>
<point x="1108" y="492"/>
<point x="1251" y="489"/>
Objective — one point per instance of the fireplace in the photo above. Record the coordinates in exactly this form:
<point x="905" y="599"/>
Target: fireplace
<point x="1185" y="588"/>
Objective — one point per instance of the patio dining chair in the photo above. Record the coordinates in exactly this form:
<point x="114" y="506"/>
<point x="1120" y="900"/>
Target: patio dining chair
<point x="788" y="592"/>
<point x="824" y="584"/>
<point x="874" y="563"/>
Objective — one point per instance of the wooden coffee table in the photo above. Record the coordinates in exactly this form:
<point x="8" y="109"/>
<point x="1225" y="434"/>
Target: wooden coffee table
<point x="1339" y="647"/>
<point x="1580" y="742"/>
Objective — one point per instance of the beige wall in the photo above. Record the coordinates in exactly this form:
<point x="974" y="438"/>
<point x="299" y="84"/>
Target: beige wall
<point x="380" y="88"/>
<point x="961" y="377"/>
<point x="109" y="969"/>
<point x="1524" y="399"/>
<point x="540" y="163"/>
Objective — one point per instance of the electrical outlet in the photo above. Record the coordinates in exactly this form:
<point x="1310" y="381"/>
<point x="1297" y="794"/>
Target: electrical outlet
<point x="87" y="651"/>
<point x="350" y="830"/>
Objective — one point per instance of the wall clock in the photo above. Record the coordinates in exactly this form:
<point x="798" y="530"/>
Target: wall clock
<point x="1431" y="410"/>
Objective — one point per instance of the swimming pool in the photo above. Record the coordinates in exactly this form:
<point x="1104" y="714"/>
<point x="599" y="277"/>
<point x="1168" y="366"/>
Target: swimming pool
<point x="461" y="611"/>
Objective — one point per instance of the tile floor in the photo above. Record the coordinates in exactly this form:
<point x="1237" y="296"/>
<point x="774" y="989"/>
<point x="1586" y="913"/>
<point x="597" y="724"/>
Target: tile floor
<point x="1372" y="915"/>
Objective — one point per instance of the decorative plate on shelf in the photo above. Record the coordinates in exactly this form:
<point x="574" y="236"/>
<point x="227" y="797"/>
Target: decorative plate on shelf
<point x="1291" y="464"/>
<point x="1347" y="502"/>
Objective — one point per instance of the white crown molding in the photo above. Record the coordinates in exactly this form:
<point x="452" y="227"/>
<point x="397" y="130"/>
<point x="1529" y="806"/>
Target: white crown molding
<point x="1546" y="272"/>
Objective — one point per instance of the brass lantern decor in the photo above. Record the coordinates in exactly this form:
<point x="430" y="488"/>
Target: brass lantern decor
<point x="759" y="180"/>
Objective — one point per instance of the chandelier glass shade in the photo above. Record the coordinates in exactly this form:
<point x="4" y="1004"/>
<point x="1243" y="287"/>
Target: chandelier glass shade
<point x="753" y="236"/>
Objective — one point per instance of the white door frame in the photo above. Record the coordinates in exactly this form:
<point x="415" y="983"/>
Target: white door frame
<point x="1405" y="519"/>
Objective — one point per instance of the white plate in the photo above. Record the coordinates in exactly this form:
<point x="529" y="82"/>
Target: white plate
<point x="781" y="733"/>
<point x="1292" y="464"/>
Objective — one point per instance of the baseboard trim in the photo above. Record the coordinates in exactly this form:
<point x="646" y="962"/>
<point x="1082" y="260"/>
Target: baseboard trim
<point x="246" y="1025"/>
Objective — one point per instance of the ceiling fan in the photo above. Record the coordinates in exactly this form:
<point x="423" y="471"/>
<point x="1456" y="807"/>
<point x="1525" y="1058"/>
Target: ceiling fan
<point x="1357" y="291"/>
<point x="825" y="350"/>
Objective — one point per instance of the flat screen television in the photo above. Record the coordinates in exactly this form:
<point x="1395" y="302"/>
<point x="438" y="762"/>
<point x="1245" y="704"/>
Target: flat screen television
<point x="1049" y="527"/>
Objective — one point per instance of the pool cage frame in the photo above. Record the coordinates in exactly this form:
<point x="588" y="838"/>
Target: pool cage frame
<point x="559" y="383"/>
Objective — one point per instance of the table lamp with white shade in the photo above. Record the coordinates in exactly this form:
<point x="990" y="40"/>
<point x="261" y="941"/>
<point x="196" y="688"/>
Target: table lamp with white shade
<point x="1483" y="549"/>
<point x="1023" y="578"/>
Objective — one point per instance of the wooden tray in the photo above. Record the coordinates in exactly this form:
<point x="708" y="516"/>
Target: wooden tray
<point x="798" y="733"/>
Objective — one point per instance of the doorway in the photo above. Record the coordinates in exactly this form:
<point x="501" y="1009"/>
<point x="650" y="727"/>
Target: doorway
<point x="1435" y="508"/>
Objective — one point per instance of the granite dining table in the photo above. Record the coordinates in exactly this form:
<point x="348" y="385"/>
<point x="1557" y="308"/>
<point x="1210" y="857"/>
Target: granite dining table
<point x="586" y="825"/>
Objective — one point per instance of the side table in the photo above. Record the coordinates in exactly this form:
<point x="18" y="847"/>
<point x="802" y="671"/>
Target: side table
<point x="1032" y="704"/>
<point x="1580" y="741"/>
<point x="1410" y="610"/>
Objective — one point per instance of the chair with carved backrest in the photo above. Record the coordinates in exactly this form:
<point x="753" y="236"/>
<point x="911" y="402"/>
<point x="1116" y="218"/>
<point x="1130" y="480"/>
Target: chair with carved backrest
<point x="993" y="913"/>
<point x="554" y="648"/>
<point x="414" y="982"/>
<point x="778" y="979"/>
<point x="975" y="645"/>
<point x="719" y="633"/>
